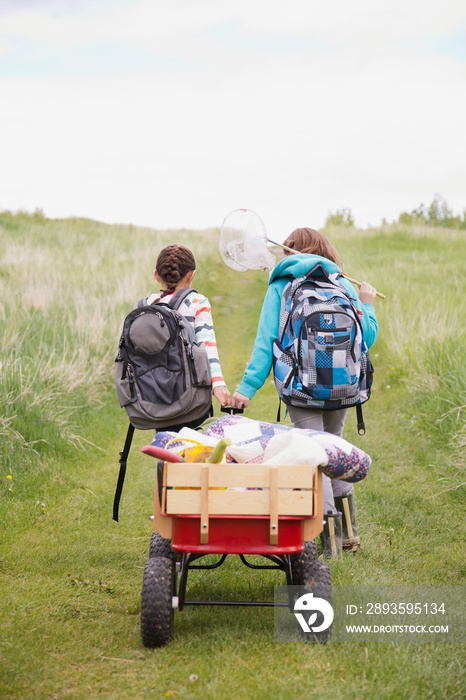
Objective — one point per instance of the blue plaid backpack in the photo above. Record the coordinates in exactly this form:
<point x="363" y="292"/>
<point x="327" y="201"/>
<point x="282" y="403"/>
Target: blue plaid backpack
<point x="320" y="359"/>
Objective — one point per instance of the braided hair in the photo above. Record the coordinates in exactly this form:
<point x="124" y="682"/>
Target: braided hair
<point x="174" y="263"/>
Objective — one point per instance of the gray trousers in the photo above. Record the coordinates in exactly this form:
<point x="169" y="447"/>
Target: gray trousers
<point x="332" y="422"/>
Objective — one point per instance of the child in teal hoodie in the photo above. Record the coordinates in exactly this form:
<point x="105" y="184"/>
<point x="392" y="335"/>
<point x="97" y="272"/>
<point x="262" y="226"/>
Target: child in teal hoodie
<point x="312" y="248"/>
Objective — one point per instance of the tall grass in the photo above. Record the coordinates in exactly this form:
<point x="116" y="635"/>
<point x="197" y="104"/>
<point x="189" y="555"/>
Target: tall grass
<point x="71" y="577"/>
<point x="65" y="288"/>
<point x="422" y="331"/>
<point x="66" y="285"/>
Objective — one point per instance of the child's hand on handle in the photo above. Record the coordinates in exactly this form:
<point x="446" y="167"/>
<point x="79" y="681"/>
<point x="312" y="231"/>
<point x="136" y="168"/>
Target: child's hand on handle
<point x="222" y="395"/>
<point x="367" y="293"/>
<point x="239" y="400"/>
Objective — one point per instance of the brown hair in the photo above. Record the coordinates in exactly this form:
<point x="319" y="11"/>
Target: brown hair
<point x="308" y="240"/>
<point x="174" y="263"/>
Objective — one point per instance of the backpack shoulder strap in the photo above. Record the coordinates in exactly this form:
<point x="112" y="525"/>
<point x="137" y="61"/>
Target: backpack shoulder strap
<point x="331" y="277"/>
<point x="285" y="305"/>
<point x="174" y="302"/>
<point x="122" y="472"/>
<point x="141" y="303"/>
<point x="179" y="296"/>
<point x="339" y="279"/>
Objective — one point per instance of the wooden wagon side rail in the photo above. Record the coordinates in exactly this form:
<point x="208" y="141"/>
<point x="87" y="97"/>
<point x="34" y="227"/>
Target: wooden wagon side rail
<point x="207" y="490"/>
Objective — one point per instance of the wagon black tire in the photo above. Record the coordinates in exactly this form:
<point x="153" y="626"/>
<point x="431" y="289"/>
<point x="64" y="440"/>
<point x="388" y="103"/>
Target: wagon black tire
<point x="301" y="562"/>
<point x="318" y="580"/>
<point x="157" y="613"/>
<point x="161" y="547"/>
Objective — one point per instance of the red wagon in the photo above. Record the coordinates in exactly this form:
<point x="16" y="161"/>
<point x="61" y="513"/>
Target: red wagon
<point x="275" y="511"/>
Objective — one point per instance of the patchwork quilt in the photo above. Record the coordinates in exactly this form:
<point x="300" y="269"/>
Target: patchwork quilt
<point x="251" y="437"/>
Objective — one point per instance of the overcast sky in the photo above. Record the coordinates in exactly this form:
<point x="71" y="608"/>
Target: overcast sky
<point x="171" y="113"/>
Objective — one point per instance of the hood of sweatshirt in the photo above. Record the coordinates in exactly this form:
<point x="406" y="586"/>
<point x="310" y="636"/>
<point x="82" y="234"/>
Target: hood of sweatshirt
<point x="299" y="264"/>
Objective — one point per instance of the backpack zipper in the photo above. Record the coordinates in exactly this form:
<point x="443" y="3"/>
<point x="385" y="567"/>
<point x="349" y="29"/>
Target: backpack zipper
<point x="130" y="372"/>
<point x="324" y="347"/>
<point x="330" y="330"/>
<point x="162" y="320"/>
<point x="192" y="367"/>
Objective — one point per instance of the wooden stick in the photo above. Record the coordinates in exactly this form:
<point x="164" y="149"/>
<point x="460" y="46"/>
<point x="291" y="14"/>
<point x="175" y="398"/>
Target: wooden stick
<point x="350" y="279"/>
<point x="204" y="538"/>
<point x="273" y="505"/>
<point x="285" y="247"/>
<point x="291" y="250"/>
<point x="333" y="544"/>
<point x="347" y="513"/>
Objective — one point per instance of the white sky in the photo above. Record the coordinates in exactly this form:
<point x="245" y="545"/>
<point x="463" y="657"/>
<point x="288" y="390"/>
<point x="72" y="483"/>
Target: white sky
<point x="171" y="113"/>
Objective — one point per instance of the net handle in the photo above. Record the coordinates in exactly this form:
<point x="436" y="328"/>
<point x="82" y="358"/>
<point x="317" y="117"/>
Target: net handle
<point x="350" y="279"/>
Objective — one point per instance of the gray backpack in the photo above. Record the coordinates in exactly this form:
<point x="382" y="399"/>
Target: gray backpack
<point x="162" y="374"/>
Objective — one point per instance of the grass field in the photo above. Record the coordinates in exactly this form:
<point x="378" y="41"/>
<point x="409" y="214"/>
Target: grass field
<point x="71" y="576"/>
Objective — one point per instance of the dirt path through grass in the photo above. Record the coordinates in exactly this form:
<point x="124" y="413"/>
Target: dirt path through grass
<point x="71" y="583"/>
<point x="71" y="577"/>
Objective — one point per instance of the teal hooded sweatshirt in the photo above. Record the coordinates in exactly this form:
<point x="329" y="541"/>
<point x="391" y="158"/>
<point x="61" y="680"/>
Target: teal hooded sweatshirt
<point x="296" y="265"/>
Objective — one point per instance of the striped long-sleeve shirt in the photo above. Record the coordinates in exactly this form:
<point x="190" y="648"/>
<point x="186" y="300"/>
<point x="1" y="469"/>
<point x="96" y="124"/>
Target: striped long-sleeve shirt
<point x="197" y="310"/>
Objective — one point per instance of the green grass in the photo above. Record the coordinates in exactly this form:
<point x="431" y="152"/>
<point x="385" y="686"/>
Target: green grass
<point x="71" y="576"/>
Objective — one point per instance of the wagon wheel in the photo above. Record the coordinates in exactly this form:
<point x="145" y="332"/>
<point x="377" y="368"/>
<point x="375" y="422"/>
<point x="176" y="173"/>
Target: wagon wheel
<point x="157" y="613"/>
<point x="301" y="561"/>
<point x="318" y="580"/>
<point x="161" y="547"/>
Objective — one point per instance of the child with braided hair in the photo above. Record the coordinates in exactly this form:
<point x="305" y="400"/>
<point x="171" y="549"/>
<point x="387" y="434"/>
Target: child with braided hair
<point x="174" y="270"/>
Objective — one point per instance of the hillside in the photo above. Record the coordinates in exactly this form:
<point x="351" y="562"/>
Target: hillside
<point x="71" y="576"/>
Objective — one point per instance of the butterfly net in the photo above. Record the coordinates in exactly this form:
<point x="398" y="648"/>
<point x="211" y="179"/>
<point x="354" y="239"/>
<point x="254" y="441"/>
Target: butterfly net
<point x="243" y="242"/>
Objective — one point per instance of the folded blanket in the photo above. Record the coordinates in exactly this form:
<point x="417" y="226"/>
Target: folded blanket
<point x="250" y="439"/>
<point x="335" y="456"/>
